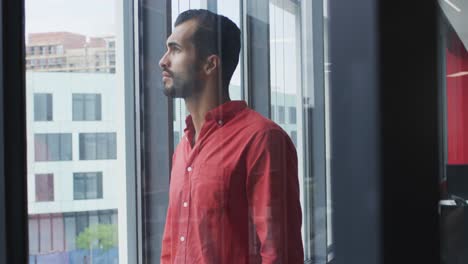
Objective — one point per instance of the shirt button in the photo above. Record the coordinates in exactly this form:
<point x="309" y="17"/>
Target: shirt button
<point x="189" y="169"/>
<point x="185" y="204"/>
<point x="220" y="122"/>
<point x="182" y="238"/>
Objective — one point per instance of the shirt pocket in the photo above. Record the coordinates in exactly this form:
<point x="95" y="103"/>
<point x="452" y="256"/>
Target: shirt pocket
<point x="209" y="187"/>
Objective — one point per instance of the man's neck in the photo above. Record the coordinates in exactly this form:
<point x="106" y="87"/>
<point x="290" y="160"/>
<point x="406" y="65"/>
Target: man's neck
<point x="199" y="107"/>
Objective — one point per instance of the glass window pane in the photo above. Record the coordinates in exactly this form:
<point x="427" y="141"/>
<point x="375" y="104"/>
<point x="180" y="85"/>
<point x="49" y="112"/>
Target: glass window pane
<point x="44" y="187"/>
<point x="33" y="230"/>
<point x="98" y="146"/>
<point x="53" y="147"/>
<point x="45" y="237"/>
<point x="80" y="67"/>
<point x="42" y="107"/>
<point x="298" y="105"/>
<point x="86" y="107"/>
<point x="453" y="59"/>
<point x="82" y="222"/>
<point x="58" y="228"/>
<point x="78" y="106"/>
<point x="230" y="9"/>
<point x="65" y="147"/>
<point x="70" y="236"/>
<point x="79" y="186"/>
<point x="292" y="114"/>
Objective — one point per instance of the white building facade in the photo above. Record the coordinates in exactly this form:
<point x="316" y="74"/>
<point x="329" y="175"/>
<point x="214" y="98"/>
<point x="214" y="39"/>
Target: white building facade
<point x="76" y="159"/>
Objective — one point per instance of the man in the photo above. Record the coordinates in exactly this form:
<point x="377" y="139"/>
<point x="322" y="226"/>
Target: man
<point x="234" y="192"/>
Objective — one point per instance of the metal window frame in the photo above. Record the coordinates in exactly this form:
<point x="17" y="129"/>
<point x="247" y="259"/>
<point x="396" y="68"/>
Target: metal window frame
<point x="385" y="152"/>
<point x="13" y="190"/>
<point x="256" y="61"/>
<point x="154" y="114"/>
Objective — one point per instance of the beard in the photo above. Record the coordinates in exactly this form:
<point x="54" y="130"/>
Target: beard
<point x="183" y="86"/>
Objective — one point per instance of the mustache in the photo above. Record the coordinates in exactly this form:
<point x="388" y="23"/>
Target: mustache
<point x="168" y="71"/>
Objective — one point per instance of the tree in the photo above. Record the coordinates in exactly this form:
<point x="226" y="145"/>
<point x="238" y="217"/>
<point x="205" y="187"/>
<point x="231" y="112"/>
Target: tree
<point x="103" y="236"/>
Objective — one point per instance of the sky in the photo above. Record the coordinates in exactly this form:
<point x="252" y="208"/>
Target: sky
<point x="87" y="17"/>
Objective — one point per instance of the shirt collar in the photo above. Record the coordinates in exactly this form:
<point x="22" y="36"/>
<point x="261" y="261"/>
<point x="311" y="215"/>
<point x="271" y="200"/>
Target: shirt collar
<point x="221" y="114"/>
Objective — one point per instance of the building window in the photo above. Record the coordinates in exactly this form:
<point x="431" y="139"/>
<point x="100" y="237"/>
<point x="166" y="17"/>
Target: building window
<point x="281" y="114"/>
<point x="294" y="137"/>
<point x="53" y="147"/>
<point x="86" y="107"/>
<point x="42" y="107"/>
<point x="97" y="146"/>
<point x="272" y="112"/>
<point x="87" y="185"/>
<point x="59" y="49"/>
<point x="292" y="114"/>
<point x="176" y="138"/>
<point x="44" y="187"/>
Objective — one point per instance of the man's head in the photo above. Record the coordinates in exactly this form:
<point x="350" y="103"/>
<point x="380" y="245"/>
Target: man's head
<point x="204" y="46"/>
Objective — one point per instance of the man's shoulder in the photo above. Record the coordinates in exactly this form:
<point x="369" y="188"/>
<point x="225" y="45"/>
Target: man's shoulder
<point x="258" y="125"/>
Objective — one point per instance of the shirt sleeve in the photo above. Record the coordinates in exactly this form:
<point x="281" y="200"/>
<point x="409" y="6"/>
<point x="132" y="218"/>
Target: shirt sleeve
<point x="273" y="197"/>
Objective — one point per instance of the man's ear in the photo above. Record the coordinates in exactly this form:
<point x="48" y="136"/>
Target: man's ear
<point x="212" y="64"/>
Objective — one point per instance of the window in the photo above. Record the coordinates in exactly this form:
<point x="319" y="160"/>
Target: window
<point x="42" y="107"/>
<point x="176" y="138"/>
<point x="281" y="114"/>
<point x="44" y="187"/>
<point x="60" y="49"/>
<point x="272" y="114"/>
<point x="75" y="81"/>
<point x="294" y="137"/>
<point x="45" y="239"/>
<point x="93" y="111"/>
<point x="97" y="146"/>
<point x="86" y="107"/>
<point x="53" y="147"/>
<point x="292" y="114"/>
<point x="87" y="185"/>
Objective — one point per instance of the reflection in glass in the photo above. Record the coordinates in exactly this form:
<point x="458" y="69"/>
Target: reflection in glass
<point x="453" y="60"/>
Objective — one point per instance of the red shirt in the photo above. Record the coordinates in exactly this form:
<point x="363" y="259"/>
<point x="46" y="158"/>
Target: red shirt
<point x="234" y="196"/>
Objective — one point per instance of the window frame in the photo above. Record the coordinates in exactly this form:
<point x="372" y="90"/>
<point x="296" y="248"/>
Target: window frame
<point x="50" y="180"/>
<point x="82" y="99"/>
<point x="61" y="139"/>
<point x="97" y="142"/>
<point x="87" y="178"/>
<point x="49" y="108"/>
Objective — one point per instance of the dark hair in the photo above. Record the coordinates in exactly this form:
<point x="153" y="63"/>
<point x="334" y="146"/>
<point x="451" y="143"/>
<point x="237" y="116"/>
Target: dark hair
<point x="215" y="34"/>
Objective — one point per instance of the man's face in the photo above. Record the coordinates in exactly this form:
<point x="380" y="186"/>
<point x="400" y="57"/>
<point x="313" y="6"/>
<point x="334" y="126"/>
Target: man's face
<point x="180" y="64"/>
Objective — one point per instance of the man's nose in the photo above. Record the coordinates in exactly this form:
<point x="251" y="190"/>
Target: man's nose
<point x="163" y="62"/>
